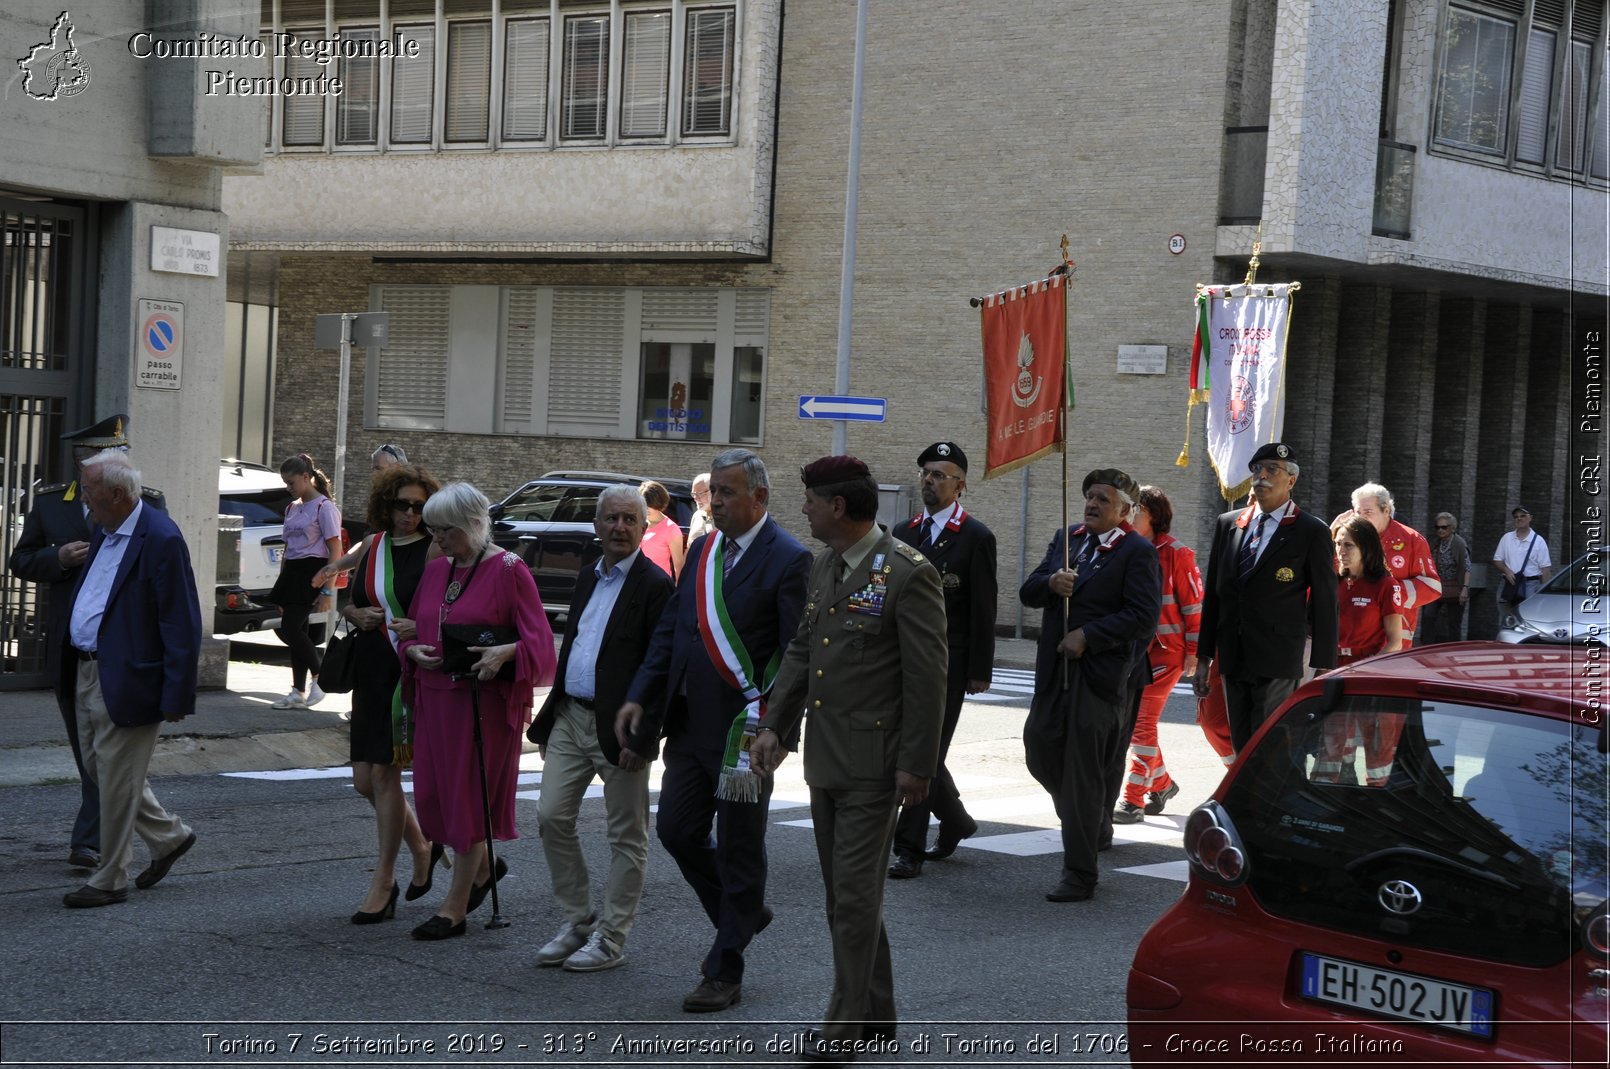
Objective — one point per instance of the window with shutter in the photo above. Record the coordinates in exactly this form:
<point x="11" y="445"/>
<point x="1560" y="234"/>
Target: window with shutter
<point x="751" y="316"/>
<point x="469" y="81"/>
<point x="302" y="117"/>
<point x="707" y="78"/>
<point x="267" y="43"/>
<point x="1536" y="81"/>
<point x="584" y="377"/>
<point x="410" y="370"/>
<point x="680" y="314"/>
<point x="645" y="73"/>
<point x="413" y="88"/>
<point x="1601" y="129"/>
<point x="1473" y="80"/>
<point x="525" y="331"/>
<point x="357" y="108"/>
<point x="1574" y="119"/>
<point x="584" y="92"/>
<point x="525" y="80"/>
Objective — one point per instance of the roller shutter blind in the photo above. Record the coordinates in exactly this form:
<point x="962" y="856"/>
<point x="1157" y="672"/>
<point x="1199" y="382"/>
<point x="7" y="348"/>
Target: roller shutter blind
<point x="645" y="73"/>
<point x="707" y="82"/>
<point x="584" y="377"/>
<point x="469" y="80"/>
<point x="684" y="311"/>
<point x="303" y="122"/>
<point x="413" y="88"/>
<point x="584" y="96"/>
<point x="520" y="342"/>
<point x="411" y="376"/>
<point x="525" y="80"/>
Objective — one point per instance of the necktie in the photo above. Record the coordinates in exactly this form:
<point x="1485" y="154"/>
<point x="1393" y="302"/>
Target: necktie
<point x="1248" y="557"/>
<point x="927" y="531"/>
<point x="729" y="557"/>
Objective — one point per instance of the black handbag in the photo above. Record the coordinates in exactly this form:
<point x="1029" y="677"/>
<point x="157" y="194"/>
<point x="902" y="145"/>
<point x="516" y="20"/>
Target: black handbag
<point x="458" y="660"/>
<point x="338" y="672"/>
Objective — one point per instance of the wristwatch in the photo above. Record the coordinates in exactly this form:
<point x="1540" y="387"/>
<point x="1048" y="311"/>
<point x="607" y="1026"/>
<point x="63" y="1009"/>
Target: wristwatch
<point x="326" y="592"/>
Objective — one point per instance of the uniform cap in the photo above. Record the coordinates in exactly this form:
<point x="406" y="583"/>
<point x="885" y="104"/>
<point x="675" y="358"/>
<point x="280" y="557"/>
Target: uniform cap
<point x="830" y="470"/>
<point x="109" y="433"/>
<point x="949" y="451"/>
<point x="1114" y="478"/>
<point x="1272" y="451"/>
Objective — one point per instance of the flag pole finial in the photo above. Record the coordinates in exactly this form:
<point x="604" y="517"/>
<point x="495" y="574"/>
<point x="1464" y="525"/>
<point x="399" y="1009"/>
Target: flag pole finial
<point x="1257" y="249"/>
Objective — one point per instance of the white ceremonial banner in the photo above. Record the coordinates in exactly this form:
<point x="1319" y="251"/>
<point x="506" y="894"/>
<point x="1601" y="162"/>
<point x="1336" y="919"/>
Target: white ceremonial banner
<point x="1247" y="380"/>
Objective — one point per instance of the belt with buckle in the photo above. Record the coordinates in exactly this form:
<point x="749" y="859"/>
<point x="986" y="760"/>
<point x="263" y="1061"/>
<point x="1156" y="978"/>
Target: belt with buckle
<point x="585" y="703"/>
<point x="85" y="655"/>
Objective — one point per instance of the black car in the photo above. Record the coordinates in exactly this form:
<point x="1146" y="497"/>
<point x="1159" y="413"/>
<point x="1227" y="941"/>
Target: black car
<point x="549" y="523"/>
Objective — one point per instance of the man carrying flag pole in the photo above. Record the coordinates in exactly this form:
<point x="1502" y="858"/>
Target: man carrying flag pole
<point x="703" y="683"/>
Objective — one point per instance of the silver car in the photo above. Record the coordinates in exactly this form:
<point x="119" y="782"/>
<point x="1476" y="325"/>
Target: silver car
<point x="1569" y="608"/>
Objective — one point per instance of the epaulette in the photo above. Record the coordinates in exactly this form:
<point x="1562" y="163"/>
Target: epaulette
<point x="909" y="552"/>
<point x="147" y="492"/>
<point x="53" y="488"/>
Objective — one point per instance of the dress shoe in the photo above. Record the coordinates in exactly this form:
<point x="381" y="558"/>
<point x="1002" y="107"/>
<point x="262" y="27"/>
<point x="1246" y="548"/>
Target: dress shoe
<point x="712" y="995"/>
<point x="420" y="890"/>
<point x="87" y="896"/>
<point x="1069" y="892"/>
<point x="765" y="918"/>
<point x="950" y="835"/>
<point x="1128" y="813"/>
<point x="439" y="927"/>
<point x="1156" y="802"/>
<point x="817" y="1051"/>
<point x="385" y="913"/>
<point x="82" y="857"/>
<point x="159" y="868"/>
<point x="904" y="868"/>
<point x="479" y="891"/>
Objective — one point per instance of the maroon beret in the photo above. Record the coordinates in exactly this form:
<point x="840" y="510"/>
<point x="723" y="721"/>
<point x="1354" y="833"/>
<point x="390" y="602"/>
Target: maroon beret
<point x="830" y="470"/>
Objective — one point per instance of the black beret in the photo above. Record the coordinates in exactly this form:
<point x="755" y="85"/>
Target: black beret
<point x="1272" y="451"/>
<point x="830" y="470"/>
<point x="944" y="451"/>
<point x="1114" y="478"/>
<point x="109" y="433"/>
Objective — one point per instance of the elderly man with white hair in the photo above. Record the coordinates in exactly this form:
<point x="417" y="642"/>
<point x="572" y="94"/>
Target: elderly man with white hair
<point x="1408" y="555"/>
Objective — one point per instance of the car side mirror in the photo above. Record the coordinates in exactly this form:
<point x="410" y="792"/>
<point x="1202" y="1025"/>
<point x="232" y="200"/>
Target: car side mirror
<point x="495" y="510"/>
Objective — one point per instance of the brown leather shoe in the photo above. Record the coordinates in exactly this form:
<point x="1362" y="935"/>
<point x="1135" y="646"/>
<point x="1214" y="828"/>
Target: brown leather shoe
<point x="712" y="995"/>
<point x="159" y="868"/>
<point x="87" y="897"/>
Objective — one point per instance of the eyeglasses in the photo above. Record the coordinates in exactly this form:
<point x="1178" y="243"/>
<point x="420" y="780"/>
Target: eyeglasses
<point x="1269" y="467"/>
<point x="925" y="475"/>
<point x="404" y="505"/>
<point x="1444" y="526"/>
<point x="393" y="451"/>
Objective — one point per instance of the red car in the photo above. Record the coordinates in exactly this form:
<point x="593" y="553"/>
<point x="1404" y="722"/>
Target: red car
<point x="1409" y="864"/>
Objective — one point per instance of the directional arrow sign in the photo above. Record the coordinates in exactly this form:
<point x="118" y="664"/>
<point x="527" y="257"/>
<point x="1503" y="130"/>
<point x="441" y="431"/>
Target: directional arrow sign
<point x="867" y="409"/>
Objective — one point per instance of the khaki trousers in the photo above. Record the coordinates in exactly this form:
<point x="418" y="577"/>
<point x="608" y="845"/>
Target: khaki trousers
<point x="573" y="758"/>
<point x="117" y="758"/>
<point x="854" y="830"/>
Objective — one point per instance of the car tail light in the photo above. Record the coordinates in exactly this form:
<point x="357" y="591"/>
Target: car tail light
<point x="1213" y="846"/>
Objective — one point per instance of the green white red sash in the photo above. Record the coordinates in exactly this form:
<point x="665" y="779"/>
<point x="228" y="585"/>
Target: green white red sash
<point x="379" y="588"/>
<point x="739" y="783"/>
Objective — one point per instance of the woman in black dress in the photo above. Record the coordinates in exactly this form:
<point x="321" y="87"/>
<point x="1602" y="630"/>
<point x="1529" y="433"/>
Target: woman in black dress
<point x="387" y="568"/>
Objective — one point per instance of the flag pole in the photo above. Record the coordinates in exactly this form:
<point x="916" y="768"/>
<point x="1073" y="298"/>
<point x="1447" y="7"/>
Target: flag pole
<point x="1066" y="268"/>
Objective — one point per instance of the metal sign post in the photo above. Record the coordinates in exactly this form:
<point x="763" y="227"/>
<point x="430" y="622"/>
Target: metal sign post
<point x="342" y="331"/>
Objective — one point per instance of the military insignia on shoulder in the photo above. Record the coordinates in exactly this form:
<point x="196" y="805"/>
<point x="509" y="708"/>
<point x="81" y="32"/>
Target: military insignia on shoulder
<point x="1285" y="575"/>
<point x="149" y="494"/>
<point x="909" y="552"/>
<point x="53" y="488"/>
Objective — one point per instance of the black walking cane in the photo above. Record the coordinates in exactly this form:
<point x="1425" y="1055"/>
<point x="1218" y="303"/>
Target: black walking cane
<point x="497" y="920"/>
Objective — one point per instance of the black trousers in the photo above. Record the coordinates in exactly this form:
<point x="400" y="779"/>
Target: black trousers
<point x="944" y="801"/>
<point x="1250" y="702"/>
<point x="1072" y="741"/>
<point x="727" y="872"/>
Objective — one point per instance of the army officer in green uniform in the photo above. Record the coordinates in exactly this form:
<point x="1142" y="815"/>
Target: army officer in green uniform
<point x="867" y="669"/>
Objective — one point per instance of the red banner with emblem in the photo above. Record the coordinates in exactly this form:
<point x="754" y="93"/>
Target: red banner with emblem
<point x="1025" y="373"/>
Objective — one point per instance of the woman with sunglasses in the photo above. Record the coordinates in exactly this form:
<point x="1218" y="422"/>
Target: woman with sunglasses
<point x="389" y="564"/>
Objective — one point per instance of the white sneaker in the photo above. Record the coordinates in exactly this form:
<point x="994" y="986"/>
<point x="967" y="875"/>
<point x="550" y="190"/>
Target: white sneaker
<point x="569" y="939"/>
<point x="314" y="694"/>
<point x="293" y="700"/>
<point x="600" y="953"/>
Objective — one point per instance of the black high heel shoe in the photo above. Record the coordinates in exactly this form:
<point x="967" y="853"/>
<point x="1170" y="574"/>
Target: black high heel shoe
<point x="439" y="927"/>
<point x="479" y="891"/>
<point x="379" y="915"/>
<point x="420" y="890"/>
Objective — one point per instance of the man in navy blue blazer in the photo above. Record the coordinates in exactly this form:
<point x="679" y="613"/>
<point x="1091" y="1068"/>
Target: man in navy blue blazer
<point x="130" y="662"/>
<point x="1089" y="666"/>
<point x="683" y="691"/>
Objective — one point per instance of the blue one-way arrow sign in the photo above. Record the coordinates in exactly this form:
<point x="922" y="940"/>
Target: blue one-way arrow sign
<point x="868" y="409"/>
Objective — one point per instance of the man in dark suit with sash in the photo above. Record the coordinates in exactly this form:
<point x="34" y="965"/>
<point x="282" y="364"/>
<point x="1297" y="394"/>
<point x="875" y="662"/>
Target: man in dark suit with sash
<point x="50" y="551"/>
<point x="1271" y="585"/>
<point x="962" y="549"/>
<point x="1088" y="668"/>
<point x="716" y="651"/>
<point x="612" y="619"/>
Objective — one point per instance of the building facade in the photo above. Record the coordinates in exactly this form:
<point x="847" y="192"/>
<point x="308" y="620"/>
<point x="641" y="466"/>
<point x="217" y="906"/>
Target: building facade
<point x="111" y="271"/>
<point x="609" y="234"/>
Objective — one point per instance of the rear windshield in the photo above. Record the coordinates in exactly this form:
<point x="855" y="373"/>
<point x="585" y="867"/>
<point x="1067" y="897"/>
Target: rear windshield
<point x="1496" y="817"/>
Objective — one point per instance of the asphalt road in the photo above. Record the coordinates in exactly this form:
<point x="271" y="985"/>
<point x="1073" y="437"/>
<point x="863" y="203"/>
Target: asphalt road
<point x="244" y="955"/>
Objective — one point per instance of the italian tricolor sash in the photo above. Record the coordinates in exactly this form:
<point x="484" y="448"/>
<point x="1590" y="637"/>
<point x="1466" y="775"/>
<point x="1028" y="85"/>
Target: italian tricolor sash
<point x="378" y="587"/>
<point x="739" y="783"/>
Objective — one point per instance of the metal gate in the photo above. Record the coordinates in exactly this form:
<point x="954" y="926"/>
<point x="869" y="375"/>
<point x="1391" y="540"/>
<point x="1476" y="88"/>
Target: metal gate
<point x="47" y="333"/>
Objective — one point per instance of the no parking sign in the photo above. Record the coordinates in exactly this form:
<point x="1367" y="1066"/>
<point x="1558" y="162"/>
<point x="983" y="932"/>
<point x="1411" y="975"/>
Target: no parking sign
<point x="159" y="345"/>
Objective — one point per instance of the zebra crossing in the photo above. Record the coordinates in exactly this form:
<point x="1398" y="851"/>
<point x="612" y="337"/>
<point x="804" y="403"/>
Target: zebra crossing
<point x="1028" y="825"/>
<point x="1015" y="686"/>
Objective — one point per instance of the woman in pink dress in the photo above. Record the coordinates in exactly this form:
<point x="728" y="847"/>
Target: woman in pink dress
<point x="474" y="584"/>
<point x="662" y="538"/>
